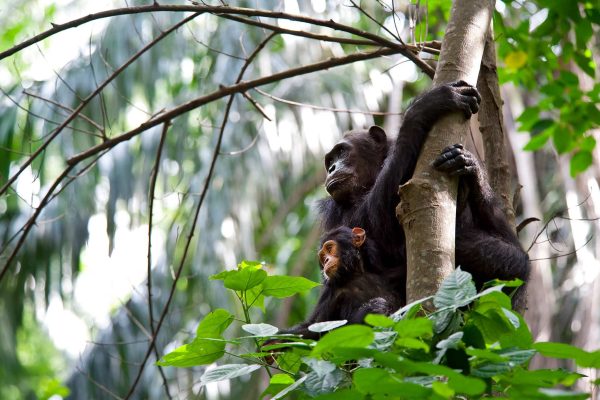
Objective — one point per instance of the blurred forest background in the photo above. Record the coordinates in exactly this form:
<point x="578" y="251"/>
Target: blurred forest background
<point x="74" y="314"/>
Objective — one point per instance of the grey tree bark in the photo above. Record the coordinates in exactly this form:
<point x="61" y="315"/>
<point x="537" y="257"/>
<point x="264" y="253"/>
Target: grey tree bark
<point x="427" y="209"/>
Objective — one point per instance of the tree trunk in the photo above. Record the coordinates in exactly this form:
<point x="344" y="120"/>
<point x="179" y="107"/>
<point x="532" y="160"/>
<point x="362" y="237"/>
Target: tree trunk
<point x="491" y="126"/>
<point x="427" y="209"/>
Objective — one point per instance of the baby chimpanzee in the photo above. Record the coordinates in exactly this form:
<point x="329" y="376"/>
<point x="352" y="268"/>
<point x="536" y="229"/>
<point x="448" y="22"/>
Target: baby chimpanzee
<point x="350" y="289"/>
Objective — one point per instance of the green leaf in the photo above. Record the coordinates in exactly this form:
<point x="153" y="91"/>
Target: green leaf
<point x="260" y="330"/>
<point x="286" y="286"/>
<point x="326" y="326"/>
<point x="227" y="371"/>
<point x="291" y="360"/>
<point x="254" y="297"/>
<point x="585" y="61"/>
<point x="414" y="328"/>
<point x="562" y="140"/>
<point x="248" y="275"/>
<point x="277" y="383"/>
<point x="199" y="352"/>
<point x="538" y="141"/>
<point x="583" y="33"/>
<point x="214" y="324"/>
<point x="569" y="78"/>
<point x="561" y="350"/>
<point x="324" y="377"/>
<point x="412" y="343"/>
<point x="588" y="143"/>
<point x="346" y="336"/>
<point x="290" y="388"/>
<point x="377" y="381"/>
<point x="580" y="162"/>
<point x="384" y="340"/>
<point x="379" y="320"/>
<point x="456" y="291"/>
<point x="545" y="378"/>
<point x="244" y="279"/>
<point x="528" y="118"/>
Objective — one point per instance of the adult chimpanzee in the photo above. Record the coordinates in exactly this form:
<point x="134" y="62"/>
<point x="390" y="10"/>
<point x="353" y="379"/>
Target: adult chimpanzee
<point x="350" y="289"/>
<point x="364" y="171"/>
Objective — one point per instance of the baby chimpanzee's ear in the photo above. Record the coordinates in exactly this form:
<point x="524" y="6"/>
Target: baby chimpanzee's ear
<point x="358" y="237"/>
<point x="378" y="134"/>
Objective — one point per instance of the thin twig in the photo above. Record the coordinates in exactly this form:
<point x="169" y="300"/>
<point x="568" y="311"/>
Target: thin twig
<point x="153" y="178"/>
<point x="369" y="16"/>
<point x="332" y="109"/>
<point x="62" y="106"/>
<point x="188" y="242"/>
<point x="222" y="10"/>
<point x="226" y="91"/>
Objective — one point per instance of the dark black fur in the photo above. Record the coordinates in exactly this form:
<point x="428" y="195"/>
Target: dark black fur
<point x="485" y="244"/>
<point x="353" y="292"/>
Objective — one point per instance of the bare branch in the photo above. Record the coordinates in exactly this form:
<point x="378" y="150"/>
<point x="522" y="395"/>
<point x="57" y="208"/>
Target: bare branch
<point x="222" y="10"/>
<point x="152" y="189"/>
<point x="332" y="109"/>
<point x="188" y="242"/>
<point x="226" y="91"/>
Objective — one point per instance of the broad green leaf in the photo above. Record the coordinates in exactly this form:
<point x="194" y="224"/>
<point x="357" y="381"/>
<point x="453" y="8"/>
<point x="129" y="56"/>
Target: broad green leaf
<point x="277" y="383"/>
<point x="569" y="78"/>
<point x="545" y="378"/>
<point x="286" y="286"/>
<point x="442" y="389"/>
<point x="245" y="279"/>
<point x="326" y="326"/>
<point x="324" y="377"/>
<point x="580" y="162"/>
<point x="588" y="143"/>
<point x="528" y="118"/>
<point x="562" y="139"/>
<point x="227" y="371"/>
<point x="288" y="389"/>
<point x="379" y="320"/>
<point x="412" y="343"/>
<point x="456" y="290"/>
<point x="346" y="336"/>
<point x="538" y="141"/>
<point x="414" y="328"/>
<point x="254" y="297"/>
<point x="377" y="381"/>
<point x="199" y="352"/>
<point x="214" y="324"/>
<point x="291" y="360"/>
<point x="260" y="329"/>
<point x="384" y="340"/>
<point x="585" y="62"/>
<point x="561" y="350"/>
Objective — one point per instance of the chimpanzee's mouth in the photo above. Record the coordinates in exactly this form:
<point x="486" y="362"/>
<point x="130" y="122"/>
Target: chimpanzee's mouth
<point x="331" y="184"/>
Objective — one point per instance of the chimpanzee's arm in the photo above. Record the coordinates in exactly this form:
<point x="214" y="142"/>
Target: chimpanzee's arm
<point x="420" y="117"/>
<point x="377" y="305"/>
<point x="486" y="245"/>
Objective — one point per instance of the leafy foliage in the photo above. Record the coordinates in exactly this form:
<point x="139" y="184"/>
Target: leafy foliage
<point x="547" y="49"/>
<point x="473" y="346"/>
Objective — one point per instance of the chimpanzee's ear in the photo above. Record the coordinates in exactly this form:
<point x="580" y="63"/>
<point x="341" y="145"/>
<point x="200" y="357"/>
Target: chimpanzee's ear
<point x="378" y="134"/>
<point x="358" y="237"/>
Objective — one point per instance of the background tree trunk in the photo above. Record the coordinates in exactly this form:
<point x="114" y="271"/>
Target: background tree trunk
<point x="428" y="201"/>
